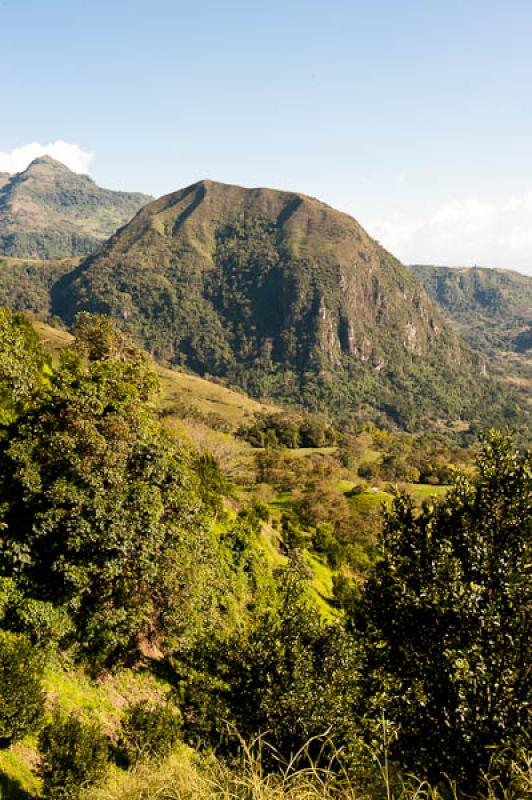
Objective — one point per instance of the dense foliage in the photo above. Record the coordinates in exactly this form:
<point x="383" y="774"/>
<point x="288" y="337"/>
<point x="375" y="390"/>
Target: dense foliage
<point x="102" y="512"/>
<point x="289" y="677"/>
<point x="288" y="430"/>
<point x="446" y="619"/>
<point x="237" y="613"/>
<point x="149" y="730"/>
<point x="22" y="363"/>
<point x="74" y="752"/>
<point x="21" y="695"/>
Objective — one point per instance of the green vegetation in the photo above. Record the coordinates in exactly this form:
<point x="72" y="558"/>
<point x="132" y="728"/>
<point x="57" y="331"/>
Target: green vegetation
<point x="47" y="211"/>
<point x="22" y="705"/>
<point x="166" y="611"/>
<point x="490" y="309"/>
<point x="149" y="730"/>
<point x="444" y="620"/>
<point x="74" y="753"/>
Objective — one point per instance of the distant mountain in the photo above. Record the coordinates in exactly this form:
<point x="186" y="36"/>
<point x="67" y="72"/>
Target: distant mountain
<point x="492" y="310"/>
<point x="47" y="211"/>
<point x="285" y="297"/>
<point x="491" y="307"/>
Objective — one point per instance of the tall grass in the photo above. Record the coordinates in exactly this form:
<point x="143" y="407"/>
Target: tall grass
<point x="185" y="776"/>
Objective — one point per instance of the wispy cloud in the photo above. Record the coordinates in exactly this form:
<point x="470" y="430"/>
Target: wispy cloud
<point x="465" y="231"/>
<point x="72" y="155"/>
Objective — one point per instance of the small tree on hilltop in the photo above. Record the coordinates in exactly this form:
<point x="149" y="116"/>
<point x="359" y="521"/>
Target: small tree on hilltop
<point x="446" y="619"/>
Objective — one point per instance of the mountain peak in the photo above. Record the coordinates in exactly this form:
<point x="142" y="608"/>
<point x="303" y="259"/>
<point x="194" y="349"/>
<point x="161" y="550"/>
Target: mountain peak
<point x="49" y="211"/>
<point x="47" y="162"/>
<point x="282" y="295"/>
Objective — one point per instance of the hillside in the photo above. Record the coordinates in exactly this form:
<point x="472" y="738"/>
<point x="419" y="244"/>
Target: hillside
<point x="283" y="296"/>
<point x="492" y="307"/>
<point x="162" y="614"/>
<point x="182" y="393"/>
<point x="492" y="310"/>
<point x="26" y="283"/>
<point x="47" y="211"/>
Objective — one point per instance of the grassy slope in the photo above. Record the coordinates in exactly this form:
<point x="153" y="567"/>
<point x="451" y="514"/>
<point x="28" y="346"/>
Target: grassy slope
<point x="103" y="699"/>
<point x="179" y="390"/>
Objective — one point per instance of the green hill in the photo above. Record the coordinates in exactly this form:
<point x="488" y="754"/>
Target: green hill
<point x="492" y="310"/>
<point x="26" y="283"/>
<point x="283" y="296"/>
<point x="47" y="211"/>
<point x="491" y="307"/>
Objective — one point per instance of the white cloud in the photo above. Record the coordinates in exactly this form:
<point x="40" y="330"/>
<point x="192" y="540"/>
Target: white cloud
<point x="462" y="232"/>
<point x="72" y="155"/>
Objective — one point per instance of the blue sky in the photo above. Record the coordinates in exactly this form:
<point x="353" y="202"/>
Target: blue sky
<point x="415" y="116"/>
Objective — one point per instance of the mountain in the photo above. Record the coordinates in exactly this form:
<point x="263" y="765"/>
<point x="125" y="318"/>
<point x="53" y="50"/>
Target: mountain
<point x="285" y="297"/>
<point x="491" y="307"/>
<point x="47" y="211"/>
<point x="492" y="310"/>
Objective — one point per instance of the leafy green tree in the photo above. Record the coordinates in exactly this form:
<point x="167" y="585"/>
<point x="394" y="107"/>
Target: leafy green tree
<point x="288" y="677"/>
<point x="23" y="364"/>
<point x="445" y="620"/>
<point x="21" y="695"/>
<point x="74" y="753"/>
<point x="97" y="338"/>
<point x="101" y="510"/>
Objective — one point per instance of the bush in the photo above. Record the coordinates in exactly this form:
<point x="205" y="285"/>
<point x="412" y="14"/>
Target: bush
<point x="21" y="696"/>
<point x="149" y="730"/>
<point x="288" y="678"/>
<point x="74" y="753"/>
<point x="45" y="624"/>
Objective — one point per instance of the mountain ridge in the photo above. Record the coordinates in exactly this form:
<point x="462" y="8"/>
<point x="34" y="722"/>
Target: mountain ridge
<point x="49" y="211"/>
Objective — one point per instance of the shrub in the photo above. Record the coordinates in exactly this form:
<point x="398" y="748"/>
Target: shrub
<point x="288" y="678"/>
<point x="151" y="730"/>
<point x="74" y="753"/>
<point x="21" y="696"/>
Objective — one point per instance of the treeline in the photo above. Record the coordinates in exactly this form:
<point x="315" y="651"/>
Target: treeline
<point x="119" y="545"/>
<point x="285" y="429"/>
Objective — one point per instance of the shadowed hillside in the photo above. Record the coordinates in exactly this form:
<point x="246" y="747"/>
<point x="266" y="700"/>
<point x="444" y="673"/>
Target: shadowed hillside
<point x="492" y="310"/>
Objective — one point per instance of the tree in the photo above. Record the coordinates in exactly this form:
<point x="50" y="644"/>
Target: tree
<point x="445" y="619"/>
<point x="289" y="677"/>
<point x="149" y="729"/>
<point x="23" y="364"/>
<point x="101" y="510"/>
